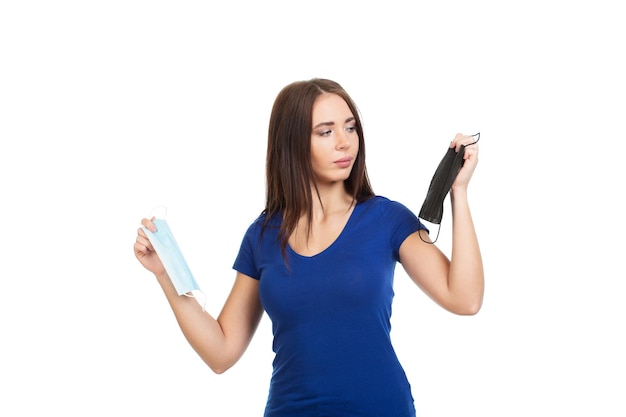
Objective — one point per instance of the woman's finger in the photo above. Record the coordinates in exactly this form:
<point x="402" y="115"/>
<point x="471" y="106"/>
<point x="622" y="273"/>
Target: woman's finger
<point x="143" y="241"/>
<point x="461" y="139"/>
<point x="148" y="224"/>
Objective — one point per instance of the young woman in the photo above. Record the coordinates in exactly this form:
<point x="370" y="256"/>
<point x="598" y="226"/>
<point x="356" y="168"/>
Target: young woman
<point x="320" y="261"/>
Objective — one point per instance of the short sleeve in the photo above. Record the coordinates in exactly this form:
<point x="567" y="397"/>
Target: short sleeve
<point x="402" y="222"/>
<point x="246" y="262"/>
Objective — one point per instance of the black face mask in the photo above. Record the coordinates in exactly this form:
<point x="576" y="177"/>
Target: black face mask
<point x="448" y="169"/>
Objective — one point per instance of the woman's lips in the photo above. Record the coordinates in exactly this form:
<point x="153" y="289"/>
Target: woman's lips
<point x="343" y="162"/>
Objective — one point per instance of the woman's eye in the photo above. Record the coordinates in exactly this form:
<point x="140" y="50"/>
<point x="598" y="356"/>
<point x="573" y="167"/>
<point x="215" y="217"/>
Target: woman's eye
<point x="351" y="129"/>
<point x="325" y="132"/>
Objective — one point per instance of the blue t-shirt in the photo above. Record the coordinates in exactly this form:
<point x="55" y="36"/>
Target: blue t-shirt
<point x="331" y="315"/>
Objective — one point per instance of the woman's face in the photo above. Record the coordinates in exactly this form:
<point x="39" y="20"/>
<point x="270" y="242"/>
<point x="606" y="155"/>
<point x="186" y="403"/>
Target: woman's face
<point x="334" y="139"/>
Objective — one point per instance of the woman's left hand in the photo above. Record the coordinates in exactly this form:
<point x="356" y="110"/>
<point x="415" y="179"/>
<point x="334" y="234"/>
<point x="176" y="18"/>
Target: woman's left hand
<point x="470" y="159"/>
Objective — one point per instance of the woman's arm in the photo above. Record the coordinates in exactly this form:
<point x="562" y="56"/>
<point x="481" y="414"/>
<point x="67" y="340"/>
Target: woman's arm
<point x="219" y="342"/>
<point x="457" y="284"/>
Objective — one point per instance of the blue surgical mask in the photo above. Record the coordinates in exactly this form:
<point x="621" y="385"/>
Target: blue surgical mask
<point x="172" y="258"/>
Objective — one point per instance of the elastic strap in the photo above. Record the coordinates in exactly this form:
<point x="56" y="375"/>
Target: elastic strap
<point x="156" y="208"/>
<point x="190" y="294"/>
<point x="436" y="237"/>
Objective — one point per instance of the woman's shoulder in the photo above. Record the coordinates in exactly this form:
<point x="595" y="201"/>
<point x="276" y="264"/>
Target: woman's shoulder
<point x="375" y="200"/>
<point x="386" y="210"/>
<point x="383" y="202"/>
<point x="263" y="221"/>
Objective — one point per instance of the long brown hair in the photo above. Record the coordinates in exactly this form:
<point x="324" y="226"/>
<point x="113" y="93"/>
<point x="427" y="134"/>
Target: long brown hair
<point x="289" y="172"/>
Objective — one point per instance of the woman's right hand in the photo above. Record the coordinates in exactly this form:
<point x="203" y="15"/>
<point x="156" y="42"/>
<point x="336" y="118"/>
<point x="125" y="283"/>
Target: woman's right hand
<point x="144" y="251"/>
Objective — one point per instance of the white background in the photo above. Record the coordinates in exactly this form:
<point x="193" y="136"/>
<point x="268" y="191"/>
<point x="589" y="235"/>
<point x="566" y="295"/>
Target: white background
<point x="108" y="109"/>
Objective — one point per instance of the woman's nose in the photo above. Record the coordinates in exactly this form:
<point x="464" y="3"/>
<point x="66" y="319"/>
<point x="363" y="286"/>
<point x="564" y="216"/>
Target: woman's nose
<point x="342" y="140"/>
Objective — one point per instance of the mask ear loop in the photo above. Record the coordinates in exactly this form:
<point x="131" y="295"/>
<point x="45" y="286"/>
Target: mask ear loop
<point x="156" y="208"/>
<point x="419" y="232"/>
<point x="203" y="304"/>
<point x="190" y="294"/>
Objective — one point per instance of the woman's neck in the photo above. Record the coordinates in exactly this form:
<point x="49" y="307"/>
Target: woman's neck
<point x="333" y="199"/>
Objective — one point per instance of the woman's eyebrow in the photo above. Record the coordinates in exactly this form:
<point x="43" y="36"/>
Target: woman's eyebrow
<point x="323" y="124"/>
<point x="348" y="120"/>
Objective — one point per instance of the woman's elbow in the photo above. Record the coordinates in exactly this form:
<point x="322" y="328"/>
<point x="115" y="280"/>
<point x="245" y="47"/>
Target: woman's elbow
<point x="468" y="311"/>
<point x="469" y="307"/>
<point x="219" y="363"/>
<point x="220" y="367"/>
<point x="218" y="371"/>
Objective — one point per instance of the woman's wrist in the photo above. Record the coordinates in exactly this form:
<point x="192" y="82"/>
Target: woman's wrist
<point x="458" y="192"/>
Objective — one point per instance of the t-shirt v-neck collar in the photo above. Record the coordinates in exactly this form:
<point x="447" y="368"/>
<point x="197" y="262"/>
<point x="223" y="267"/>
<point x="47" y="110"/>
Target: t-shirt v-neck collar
<point x="333" y="243"/>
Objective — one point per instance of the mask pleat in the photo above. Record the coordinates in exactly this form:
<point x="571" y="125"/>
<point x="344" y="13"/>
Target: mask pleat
<point x="449" y="167"/>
